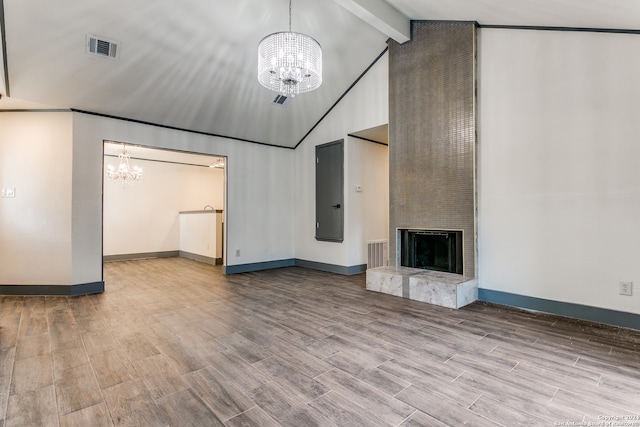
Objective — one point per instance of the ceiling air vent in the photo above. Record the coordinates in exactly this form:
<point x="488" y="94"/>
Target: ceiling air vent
<point x="100" y="46"/>
<point x="281" y="100"/>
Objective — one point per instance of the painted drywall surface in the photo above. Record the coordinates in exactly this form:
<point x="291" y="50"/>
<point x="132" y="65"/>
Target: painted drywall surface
<point x="259" y="196"/>
<point x="559" y="193"/>
<point x="368" y="188"/>
<point x="86" y="209"/>
<point x="205" y="187"/>
<point x="143" y="217"/>
<point x="35" y="225"/>
<point x="201" y="233"/>
<point x="364" y="107"/>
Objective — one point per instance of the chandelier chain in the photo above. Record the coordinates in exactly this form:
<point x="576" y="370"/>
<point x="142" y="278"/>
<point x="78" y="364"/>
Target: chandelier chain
<point x="289" y="15"/>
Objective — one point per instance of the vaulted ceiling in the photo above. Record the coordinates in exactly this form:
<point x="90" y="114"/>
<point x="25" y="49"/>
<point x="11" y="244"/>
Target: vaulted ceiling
<point x="192" y="64"/>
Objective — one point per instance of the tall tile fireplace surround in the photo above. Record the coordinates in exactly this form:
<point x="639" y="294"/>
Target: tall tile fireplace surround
<point x="432" y="145"/>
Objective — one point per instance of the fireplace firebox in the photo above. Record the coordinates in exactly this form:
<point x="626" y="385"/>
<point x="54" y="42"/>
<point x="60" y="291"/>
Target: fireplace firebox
<point x="439" y="250"/>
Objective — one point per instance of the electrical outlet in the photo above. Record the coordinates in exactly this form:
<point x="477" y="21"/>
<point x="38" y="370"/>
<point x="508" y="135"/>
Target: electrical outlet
<point x="9" y="192"/>
<point x="626" y="288"/>
<point x="237" y="252"/>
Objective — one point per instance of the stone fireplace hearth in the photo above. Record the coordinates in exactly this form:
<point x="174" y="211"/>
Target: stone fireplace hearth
<point x="433" y="287"/>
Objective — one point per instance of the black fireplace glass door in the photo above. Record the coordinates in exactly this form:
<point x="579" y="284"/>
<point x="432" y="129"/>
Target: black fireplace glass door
<point x="432" y="250"/>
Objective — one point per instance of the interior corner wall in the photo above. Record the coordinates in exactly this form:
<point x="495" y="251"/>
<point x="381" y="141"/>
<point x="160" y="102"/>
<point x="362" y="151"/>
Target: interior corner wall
<point x="559" y="193"/>
<point x="259" y="205"/>
<point x="36" y="224"/>
<point x="365" y="106"/>
<point x="143" y="217"/>
<point x="86" y="218"/>
<point x="367" y="181"/>
<point x="432" y="133"/>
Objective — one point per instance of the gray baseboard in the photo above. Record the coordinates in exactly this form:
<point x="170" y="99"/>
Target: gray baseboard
<point x="144" y="255"/>
<point x="332" y="268"/>
<point x="200" y="258"/>
<point x="53" y="290"/>
<point x="257" y="266"/>
<point x="163" y="254"/>
<point x="565" y="309"/>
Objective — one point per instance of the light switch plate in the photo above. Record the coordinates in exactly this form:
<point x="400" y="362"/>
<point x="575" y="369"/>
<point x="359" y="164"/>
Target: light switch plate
<point x="8" y="192"/>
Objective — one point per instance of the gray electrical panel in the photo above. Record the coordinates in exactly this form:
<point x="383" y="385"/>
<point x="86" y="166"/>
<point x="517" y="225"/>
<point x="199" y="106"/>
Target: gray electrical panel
<point x="330" y="191"/>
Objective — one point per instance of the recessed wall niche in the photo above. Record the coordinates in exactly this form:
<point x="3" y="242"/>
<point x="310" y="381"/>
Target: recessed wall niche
<point x="432" y="134"/>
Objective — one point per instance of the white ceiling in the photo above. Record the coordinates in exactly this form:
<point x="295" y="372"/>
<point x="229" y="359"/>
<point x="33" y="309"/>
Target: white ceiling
<point x="192" y="64"/>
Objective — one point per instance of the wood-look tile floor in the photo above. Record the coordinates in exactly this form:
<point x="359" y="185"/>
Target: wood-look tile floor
<point x="174" y="342"/>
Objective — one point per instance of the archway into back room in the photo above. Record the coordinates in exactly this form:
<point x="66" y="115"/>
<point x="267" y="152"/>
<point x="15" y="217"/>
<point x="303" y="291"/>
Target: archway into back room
<point x="178" y="208"/>
<point x="368" y="192"/>
<point x="377" y="134"/>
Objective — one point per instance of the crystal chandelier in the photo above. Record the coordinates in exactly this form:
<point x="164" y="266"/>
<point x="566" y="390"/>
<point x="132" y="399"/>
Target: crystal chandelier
<point x="124" y="173"/>
<point x="219" y="164"/>
<point x="289" y="63"/>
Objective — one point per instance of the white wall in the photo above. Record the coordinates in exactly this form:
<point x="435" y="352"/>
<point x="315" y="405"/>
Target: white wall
<point x="201" y="234"/>
<point x="87" y="210"/>
<point x="35" y="226"/>
<point x="143" y="217"/>
<point x="368" y="209"/>
<point x="51" y="232"/>
<point x="559" y="192"/>
<point x="259" y="213"/>
<point x="364" y="107"/>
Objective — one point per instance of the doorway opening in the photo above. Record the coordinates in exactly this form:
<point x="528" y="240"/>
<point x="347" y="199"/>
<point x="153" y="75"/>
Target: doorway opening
<point x="177" y="208"/>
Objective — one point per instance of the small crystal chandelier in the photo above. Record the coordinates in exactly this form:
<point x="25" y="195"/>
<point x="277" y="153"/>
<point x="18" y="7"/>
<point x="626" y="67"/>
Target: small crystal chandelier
<point x="289" y="63"/>
<point x="124" y="173"/>
<point x="219" y="164"/>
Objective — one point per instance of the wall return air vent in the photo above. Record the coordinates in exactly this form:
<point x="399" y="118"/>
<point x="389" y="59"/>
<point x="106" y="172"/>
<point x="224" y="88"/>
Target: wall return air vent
<point x="100" y="46"/>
